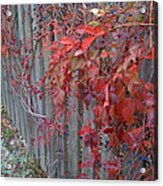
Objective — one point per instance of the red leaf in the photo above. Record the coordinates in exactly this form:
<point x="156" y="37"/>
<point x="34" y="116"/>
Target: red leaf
<point x="86" y="29"/>
<point x="112" y="164"/>
<point x="98" y="110"/>
<point x="99" y="84"/>
<point x="134" y="69"/>
<point x="82" y="176"/>
<point x="104" y="54"/>
<point x="108" y="130"/>
<point x="86" y="164"/>
<point x="139" y="106"/>
<point x="124" y="111"/>
<point x="54" y="46"/>
<point x="149" y="86"/>
<point x="99" y="31"/>
<point x="112" y="167"/>
<point x="128" y="110"/>
<point x="90" y="30"/>
<point x="133" y="136"/>
<point x="86" y="129"/>
<point x="66" y="41"/>
<point x="86" y="43"/>
<point x="101" y="116"/>
<point x="151" y="54"/>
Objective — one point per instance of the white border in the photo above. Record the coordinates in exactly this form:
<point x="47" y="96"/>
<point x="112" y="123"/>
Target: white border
<point x="50" y="182"/>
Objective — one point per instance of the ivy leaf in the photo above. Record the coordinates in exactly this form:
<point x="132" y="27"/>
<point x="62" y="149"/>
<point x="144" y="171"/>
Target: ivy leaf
<point x="133" y="136"/>
<point x="82" y="176"/>
<point x="140" y="106"/>
<point x="128" y="110"/>
<point x="101" y="116"/>
<point x="86" y="43"/>
<point x="99" y="31"/>
<point x="86" y="29"/>
<point x="86" y="164"/>
<point x="151" y="54"/>
<point x="108" y="130"/>
<point x="99" y="84"/>
<point x="124" y="111"/>
<point x="96" y="31"/>
<point x="104" y="54"/>
<point x="86" y="129"/>
<point x="66" y="41"/>
<point x="134" y="69"/>
<point x="112" y="167"/>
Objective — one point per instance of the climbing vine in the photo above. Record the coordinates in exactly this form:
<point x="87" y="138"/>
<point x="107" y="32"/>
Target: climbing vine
<point x="96" y="54"/>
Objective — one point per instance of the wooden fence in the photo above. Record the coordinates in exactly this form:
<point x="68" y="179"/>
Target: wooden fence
<point x="55" y="158"/>
<point x="61" y="156"/>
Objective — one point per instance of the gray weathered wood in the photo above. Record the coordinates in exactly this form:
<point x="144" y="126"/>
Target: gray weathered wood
<point x="73" y="139"/>
<point x="87" y="115"/>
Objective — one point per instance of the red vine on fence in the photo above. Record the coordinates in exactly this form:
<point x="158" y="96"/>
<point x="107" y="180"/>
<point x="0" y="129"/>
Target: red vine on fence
<point x="96" y="51"/>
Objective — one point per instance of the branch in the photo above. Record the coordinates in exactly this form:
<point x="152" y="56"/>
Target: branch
<point x="132" y="24"/>
<point x="26" y="107"/>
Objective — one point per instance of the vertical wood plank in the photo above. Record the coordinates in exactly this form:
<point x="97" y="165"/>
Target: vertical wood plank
<point x="8" y="88"/>
<point x="87" y="115"/>
<point x="16" y="61"/>
<point x="3" y="93"/>
<point x="21" y="20"/>
<point x="28" y="36"/>
<point x="12" y="65"/>
<point x="33" y="79"/>
<point x="73" y="139"/>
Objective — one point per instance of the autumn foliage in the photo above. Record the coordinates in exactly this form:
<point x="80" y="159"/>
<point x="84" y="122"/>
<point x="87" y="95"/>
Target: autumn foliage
<point x="95" y="53"/>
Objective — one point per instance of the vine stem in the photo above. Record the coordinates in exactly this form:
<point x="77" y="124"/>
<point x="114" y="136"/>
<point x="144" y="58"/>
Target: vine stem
<point x="132" y="24"/>
<point x="26" y="107"/>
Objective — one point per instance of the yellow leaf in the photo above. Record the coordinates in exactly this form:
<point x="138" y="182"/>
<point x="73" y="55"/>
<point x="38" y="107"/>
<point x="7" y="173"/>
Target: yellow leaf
<point x="94" y="23"/>
<point x="97" y="12"/>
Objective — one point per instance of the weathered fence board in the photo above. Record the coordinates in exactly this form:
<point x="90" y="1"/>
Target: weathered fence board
<point x="87" y="116"/>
